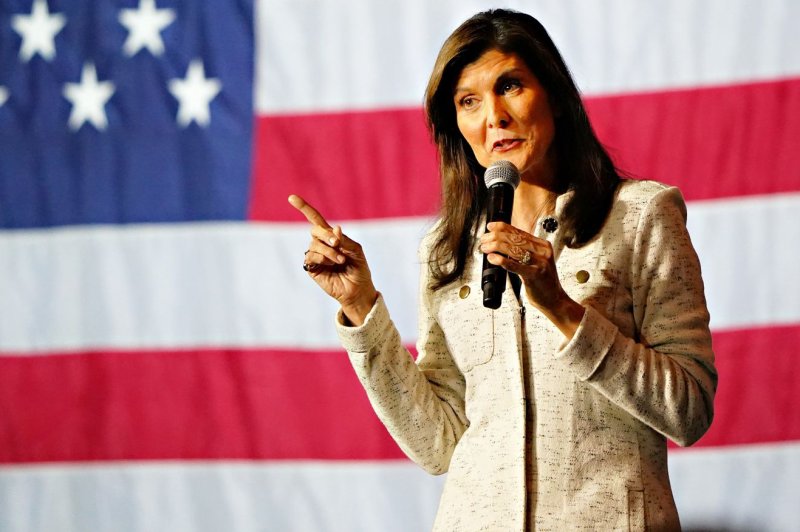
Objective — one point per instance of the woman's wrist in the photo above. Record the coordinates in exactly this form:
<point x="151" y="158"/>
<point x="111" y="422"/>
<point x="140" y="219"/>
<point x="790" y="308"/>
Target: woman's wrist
<point x="566" y="316"/>
<point x="356" y="312"/>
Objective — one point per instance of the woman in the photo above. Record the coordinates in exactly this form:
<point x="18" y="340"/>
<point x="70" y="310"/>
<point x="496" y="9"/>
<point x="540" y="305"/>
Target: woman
<point x="552" y="412"/>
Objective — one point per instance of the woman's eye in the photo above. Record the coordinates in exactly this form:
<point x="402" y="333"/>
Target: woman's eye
<point x="510" y="86"/>
<point x="468" y="102"/>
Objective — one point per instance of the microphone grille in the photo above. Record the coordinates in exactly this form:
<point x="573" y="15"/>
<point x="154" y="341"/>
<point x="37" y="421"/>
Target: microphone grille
<point x="501" y="172"/>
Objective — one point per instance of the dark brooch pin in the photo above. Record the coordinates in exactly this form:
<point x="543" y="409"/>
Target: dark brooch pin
<point x="550" y="224"/>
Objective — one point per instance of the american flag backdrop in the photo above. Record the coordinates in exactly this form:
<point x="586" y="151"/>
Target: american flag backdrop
<point x="166" y="365"/>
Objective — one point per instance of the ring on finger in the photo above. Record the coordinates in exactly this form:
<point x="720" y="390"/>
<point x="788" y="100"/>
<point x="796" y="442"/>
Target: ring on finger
<point x="526" y="258"/>
<point x="306" y="266"/>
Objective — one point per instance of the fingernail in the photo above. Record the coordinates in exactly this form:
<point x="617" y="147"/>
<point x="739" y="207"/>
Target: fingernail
<point x="340" y="258"/>
<point x="332" y="241"/>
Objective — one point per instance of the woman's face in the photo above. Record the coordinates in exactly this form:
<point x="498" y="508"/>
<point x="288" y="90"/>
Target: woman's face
<point x="504" y="113"/>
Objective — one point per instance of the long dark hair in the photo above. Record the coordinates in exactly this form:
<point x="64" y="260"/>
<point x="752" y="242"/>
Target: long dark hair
<point x="583" y="166"/>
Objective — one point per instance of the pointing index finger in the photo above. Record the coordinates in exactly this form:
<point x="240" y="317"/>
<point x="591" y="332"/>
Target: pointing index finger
<point x="311" y="214"/>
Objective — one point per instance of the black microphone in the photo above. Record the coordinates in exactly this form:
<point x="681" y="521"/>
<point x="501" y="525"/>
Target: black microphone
<point x="501" y="179"/>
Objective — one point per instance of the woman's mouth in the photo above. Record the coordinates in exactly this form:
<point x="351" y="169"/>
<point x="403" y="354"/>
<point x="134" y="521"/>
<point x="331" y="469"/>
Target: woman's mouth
<point x="505" y="145"/>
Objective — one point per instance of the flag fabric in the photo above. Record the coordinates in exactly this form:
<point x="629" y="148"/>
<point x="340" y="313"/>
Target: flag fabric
<point x="165" y="363"/>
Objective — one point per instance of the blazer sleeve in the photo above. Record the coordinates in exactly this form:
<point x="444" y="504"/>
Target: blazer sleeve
<point x="421" y="403"/>
<point x="666" y="377"/>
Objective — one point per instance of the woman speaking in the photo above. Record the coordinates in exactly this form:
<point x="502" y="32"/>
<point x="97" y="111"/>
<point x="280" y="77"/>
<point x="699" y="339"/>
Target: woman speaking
<point x="551" y="412"/>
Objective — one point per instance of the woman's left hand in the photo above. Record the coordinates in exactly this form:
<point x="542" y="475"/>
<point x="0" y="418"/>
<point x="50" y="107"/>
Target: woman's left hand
<point x="532" y="259"/>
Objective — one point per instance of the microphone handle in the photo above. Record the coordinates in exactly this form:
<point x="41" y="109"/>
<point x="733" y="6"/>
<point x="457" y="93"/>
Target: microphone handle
<point x="493" y="278"/>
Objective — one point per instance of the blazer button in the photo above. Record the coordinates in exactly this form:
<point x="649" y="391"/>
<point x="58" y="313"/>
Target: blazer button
<point x="582" y="276"/>
<point x="464" y="292"/>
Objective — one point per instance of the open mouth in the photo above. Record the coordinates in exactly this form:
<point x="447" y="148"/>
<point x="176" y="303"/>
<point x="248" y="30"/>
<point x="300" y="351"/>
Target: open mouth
<point x="505" y="144"/>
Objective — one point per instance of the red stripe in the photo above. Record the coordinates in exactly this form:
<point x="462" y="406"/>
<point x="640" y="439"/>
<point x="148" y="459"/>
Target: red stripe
<point x="297" y="405"/>
<point x="712" y="142"/>
<point x="758" y="393"/>
<point x="350" y="165"/>
<point x="186" y="405"/>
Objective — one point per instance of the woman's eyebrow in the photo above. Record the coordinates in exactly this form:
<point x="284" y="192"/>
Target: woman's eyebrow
<point x="503" y="76"/>
<point x="512" y="73"/>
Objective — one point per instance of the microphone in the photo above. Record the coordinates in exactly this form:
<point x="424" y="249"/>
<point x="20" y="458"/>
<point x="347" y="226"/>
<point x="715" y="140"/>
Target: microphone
<point x="501" y="179"/>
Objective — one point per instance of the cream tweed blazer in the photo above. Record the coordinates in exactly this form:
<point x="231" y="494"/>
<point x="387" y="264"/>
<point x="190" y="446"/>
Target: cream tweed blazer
<point x="639" y="370"/>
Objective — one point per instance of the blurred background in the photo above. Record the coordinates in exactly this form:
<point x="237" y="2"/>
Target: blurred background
<point x="165" y="363"/>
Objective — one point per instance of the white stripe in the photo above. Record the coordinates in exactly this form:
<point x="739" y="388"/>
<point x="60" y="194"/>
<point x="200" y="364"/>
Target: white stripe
<point x="241" y="285"/>
<point x="753" y="487"/>
<point x="193" y="285"/>
<point x="361" y="54"/>
<point x="748" y="253"/>
<point x="210" y="497"/>
<point x="745" y="488"/>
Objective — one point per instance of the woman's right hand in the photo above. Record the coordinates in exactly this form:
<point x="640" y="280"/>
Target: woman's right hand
<point x="337" y="264"/>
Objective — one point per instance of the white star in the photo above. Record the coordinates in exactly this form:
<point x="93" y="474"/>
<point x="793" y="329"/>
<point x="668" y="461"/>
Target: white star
<point x="3" y="95"/>
<point x="38" y="31"/>
<point x="194" y="95"/>
<point x="88" y="99"/>
<point x="144" y="27"/>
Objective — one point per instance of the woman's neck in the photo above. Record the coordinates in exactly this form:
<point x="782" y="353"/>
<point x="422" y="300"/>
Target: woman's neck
<point x="536" y="194"/>
<point x="531" y="201"/>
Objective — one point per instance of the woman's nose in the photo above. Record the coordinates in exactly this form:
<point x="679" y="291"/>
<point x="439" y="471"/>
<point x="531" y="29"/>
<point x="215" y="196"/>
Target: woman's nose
<point x="496" y="113"/>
